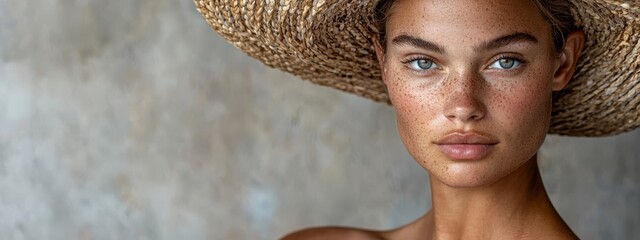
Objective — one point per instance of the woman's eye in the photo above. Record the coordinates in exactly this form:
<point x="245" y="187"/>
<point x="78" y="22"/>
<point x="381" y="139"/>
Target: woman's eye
<point x="422" y="64"/>
<point x="505" y="63"/>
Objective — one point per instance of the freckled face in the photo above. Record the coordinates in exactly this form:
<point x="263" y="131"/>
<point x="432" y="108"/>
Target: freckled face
<point x="470" y="66"/>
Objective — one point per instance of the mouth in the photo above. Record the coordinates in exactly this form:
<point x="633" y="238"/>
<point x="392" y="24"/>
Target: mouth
<point x="466" y="145"/>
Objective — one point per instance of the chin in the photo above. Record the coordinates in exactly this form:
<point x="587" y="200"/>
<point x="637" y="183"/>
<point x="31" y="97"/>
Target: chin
<point x="472" y="174"/>
<point x="467" y="182"/>
<point x="465" y="176"/>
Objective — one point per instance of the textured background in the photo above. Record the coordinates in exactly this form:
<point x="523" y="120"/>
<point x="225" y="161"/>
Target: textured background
<point x="133" y="120"/>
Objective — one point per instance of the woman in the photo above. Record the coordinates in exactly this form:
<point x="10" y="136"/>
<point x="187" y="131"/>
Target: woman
<point x="472" y="84"/>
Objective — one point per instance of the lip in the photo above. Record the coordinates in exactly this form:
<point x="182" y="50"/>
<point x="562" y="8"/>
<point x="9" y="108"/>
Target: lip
<point x="466" y="145"/>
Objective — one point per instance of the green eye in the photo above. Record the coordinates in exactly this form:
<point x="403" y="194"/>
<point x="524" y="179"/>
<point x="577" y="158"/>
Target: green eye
<point x="505" y="63"/>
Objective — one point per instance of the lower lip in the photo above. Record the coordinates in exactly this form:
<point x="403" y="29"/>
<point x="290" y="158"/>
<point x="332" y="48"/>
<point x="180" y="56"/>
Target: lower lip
<point x="466" y="151"/>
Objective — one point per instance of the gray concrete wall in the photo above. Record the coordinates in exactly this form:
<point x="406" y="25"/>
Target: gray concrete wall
<point x="133" y="120"/>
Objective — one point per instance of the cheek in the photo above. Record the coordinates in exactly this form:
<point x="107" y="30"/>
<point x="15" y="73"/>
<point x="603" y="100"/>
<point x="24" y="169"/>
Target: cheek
<point x="525" y="111"/>
<point x="415" y="105"/>
<point x="413" y="101"/>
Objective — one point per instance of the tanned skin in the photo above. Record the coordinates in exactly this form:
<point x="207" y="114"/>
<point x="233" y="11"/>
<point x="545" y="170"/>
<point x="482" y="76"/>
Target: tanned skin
<point x="485" y="69"/>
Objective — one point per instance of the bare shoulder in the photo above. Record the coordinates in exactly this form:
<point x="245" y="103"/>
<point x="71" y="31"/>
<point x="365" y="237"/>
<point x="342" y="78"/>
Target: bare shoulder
<point x="337" y="233"/>
<point x="413" y="230"/>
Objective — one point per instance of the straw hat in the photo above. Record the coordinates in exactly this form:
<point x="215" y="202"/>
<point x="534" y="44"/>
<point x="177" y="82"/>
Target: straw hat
<point x="328" y="43"/>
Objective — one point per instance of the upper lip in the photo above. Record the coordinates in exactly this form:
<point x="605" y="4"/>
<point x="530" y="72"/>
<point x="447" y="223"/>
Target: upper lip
<point x="466" y="138"/>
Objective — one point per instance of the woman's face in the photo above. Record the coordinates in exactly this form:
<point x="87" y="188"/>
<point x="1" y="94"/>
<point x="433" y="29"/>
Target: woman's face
<point x="471" y="83"/>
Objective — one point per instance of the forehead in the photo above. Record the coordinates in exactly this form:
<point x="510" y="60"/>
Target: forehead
<point x="466" y="19"/>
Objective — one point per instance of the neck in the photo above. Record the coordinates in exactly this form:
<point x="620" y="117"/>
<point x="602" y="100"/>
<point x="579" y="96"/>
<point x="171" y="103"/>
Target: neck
<point x="515" y="207"/>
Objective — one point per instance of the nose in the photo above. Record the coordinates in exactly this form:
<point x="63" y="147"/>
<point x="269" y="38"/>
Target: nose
<point x="464" y="102"/>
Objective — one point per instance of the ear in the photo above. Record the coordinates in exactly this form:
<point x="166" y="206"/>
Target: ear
<point x="379" y="54"/>
<point x="568" y="59"/>
<point x="379" y="49"/>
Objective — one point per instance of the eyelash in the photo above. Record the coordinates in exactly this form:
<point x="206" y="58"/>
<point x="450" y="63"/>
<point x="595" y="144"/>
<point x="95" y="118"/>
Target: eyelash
<point x="417" y="58"/>
<point x="505" y="56"/>
<point x="413" y="58"/>
<point x="495" y="59"/>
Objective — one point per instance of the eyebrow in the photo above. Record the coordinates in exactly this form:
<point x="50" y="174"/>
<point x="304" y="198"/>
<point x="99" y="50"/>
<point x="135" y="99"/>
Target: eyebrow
<point x="501" y="41"/>
<point x="506" y="40"/>
<point x="404" y="39"/>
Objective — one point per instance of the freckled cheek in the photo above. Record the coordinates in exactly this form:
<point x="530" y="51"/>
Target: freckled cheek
<point x="414" y="111"/>
<point x="412" y="102"/>
<point x="526" y="111"/>
<point x="414" y="114"/>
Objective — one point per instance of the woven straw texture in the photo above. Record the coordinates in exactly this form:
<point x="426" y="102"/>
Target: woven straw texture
<point x="328" y="43"/>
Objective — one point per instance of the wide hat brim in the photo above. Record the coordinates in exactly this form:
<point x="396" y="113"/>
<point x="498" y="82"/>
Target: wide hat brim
<point x="329" y="43"/>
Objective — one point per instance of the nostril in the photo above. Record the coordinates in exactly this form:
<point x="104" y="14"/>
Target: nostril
<point x="476" y="115"/>
<point x="464" y="101"/>
<point x="465" y="111"/>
